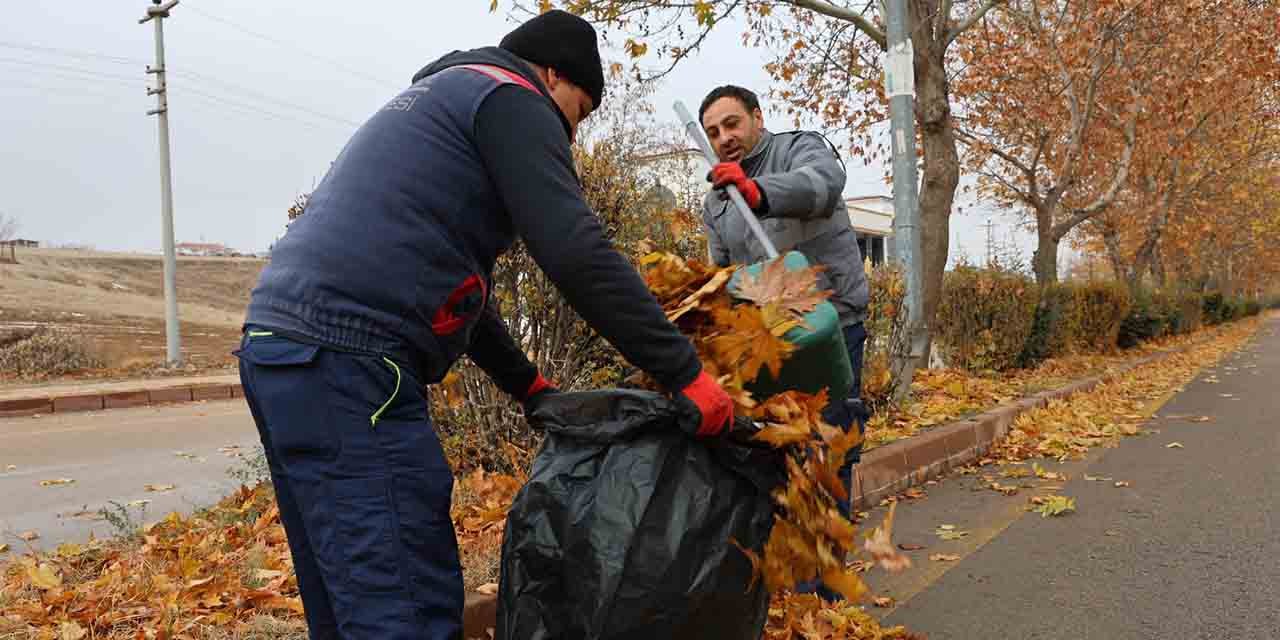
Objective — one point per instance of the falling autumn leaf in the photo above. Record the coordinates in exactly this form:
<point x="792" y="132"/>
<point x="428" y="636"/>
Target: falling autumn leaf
<point x="157" y="488"/>
<point x="56" y="482"/>
<point x="29" y="536"/>
<point x="884" y="602"/>
<point x="1174" y="445"/>
<point x="911" y="547"/>
<point x="4" y="548"/>
<point x="881" y="548"/>
<point x="944" y="557"/>
<point x="1121" y="483"/>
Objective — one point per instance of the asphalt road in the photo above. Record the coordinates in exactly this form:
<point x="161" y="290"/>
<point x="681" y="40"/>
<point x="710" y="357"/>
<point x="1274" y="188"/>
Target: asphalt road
<point x="1188" y="549"/>
<point x="112" y="456"/>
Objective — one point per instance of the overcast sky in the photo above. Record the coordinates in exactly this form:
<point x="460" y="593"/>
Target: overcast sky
<point x="263" y="95"/>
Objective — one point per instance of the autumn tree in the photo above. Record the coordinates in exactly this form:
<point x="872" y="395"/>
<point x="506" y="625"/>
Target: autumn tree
<point x="1206" y="142"/>
<point x="1046" y="82"/>
<point x="827" y="67"/>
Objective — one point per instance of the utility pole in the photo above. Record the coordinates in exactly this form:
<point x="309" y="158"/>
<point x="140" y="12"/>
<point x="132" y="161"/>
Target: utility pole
<point x="173" y="345"/>
<point x="901" y="88"/>
<point x="990" y="240"/>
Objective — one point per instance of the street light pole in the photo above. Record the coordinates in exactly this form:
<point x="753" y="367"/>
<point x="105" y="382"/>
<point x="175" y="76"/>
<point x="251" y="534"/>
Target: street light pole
<point x="173" y="341"/>
<point x="900" y="86"/>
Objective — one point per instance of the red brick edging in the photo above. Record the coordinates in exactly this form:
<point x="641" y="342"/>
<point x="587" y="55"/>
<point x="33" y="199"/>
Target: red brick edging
<point x="117" y="400"/>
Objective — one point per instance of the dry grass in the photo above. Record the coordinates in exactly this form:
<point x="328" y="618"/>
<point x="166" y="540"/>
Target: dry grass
<point x="43" y="353"/>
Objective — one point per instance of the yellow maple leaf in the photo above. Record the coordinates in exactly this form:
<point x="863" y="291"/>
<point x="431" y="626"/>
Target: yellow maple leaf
<point x="43" y="576"/>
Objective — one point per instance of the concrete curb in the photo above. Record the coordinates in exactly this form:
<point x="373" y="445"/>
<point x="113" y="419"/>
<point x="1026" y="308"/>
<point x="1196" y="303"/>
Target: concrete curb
<point x="70" y="403"/>
<point x="893" y="468"/>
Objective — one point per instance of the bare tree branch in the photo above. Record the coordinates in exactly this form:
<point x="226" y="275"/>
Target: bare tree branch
<point x="1103" y="201"/>
<point x="970" y="21"/>
<point x="848" y="15"/>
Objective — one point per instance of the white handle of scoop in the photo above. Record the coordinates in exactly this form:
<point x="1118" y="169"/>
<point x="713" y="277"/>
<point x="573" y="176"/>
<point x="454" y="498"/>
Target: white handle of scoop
<point x="694" y="130"/>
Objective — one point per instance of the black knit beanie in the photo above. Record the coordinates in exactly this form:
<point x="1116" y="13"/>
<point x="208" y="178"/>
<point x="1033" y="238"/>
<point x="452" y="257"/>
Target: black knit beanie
<point x="564" y="42"/>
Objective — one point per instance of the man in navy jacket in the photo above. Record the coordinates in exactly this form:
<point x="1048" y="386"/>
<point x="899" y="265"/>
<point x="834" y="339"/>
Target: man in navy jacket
<point x="386" y="281"/>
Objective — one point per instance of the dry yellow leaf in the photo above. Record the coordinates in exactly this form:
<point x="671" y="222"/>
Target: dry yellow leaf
<point x="43" y="576"/>
<point x="56" y="482"/>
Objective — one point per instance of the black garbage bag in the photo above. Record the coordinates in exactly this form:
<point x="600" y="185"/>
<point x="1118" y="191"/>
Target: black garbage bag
<point x="623" y="530"/>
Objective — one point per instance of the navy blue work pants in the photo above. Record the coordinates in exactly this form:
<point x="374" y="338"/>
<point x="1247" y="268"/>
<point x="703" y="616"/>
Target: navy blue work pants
<point x="363" y="487"/>
<point x="845" y="413"/>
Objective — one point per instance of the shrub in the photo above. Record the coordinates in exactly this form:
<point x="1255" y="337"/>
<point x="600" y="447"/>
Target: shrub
<point x="885" y="324"/>
<point x="1190" y="307"/>
<point x="1145" y="321"/>
<point x="1098" y="310"/>
<point x="985" y="318"/>
<point x="46" y="352"/>
<point x="1053" y="332"/>
<point x="1215" y="311"/>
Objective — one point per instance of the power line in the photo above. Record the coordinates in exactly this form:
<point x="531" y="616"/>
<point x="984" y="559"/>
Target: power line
<point x="84" y="55"/>
<point x="288" y="45"/>
<point x="63" y="67"/>
<point x="191" y="74"/>
<point x="261" y="96"/>
<point x="63" y="70"/>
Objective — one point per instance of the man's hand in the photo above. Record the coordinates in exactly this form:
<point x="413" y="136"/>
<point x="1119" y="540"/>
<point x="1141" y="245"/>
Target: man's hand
<point x="537" y="392"/>
<point x="708" y="409"/>
<point x="731" y="173"/>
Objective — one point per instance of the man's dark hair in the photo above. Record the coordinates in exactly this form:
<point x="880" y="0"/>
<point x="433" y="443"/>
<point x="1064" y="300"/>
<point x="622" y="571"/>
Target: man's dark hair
<point x="745" y="96"/>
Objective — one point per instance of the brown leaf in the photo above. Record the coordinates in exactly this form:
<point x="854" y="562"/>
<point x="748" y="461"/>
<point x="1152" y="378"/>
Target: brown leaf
<point x="880" y="546"/>
<point x="4" y="548"/>
<point x="911" y="547"/>
<point x="944" y="557"/>
<point x="884" y="602"/>
<point x="56" y="482"/>
<point x="794" y="291"/>
<point x="783" y="435"/>
<point x="846" y="583"/>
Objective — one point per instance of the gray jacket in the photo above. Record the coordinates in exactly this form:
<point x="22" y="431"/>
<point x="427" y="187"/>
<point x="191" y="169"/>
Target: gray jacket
<point x="803" y="186"/>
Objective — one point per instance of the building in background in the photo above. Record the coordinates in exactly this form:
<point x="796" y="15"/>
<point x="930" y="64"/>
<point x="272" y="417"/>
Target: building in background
<point x="202" y="249"/>
<point x="872" y="218"/>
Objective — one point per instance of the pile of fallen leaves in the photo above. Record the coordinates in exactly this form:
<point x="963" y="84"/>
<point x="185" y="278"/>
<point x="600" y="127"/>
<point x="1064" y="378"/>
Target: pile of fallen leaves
<point x="180" y="577"/>
<point x="737" y="334"/>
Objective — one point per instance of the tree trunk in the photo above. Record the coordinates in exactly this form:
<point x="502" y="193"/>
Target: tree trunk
<point x="1045" y="259"/>
<point x="941" y="176"/>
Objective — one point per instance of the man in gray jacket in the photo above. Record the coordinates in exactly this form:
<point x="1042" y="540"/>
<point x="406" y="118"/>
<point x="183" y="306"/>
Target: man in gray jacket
<point x="794" y="182"/>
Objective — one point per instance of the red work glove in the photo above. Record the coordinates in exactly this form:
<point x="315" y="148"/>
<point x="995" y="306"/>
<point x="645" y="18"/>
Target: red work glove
<point x="539" y="390"/>
<point x="731" y="173"/>
<point x="708" y="409"/>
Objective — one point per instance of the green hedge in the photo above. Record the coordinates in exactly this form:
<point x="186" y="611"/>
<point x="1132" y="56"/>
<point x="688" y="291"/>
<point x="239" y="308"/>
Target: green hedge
<point x="992" y="319"/>
<point x="985" y="318"/>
